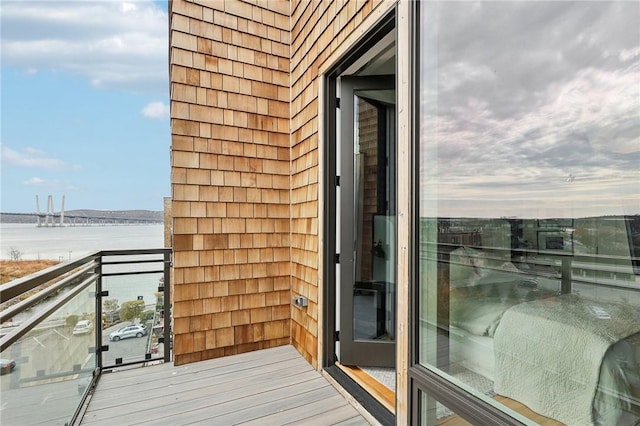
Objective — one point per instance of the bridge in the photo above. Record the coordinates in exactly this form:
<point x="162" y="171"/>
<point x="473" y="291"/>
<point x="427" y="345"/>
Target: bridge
<point x="52" y="218"/>
<point x="59" y="219"/>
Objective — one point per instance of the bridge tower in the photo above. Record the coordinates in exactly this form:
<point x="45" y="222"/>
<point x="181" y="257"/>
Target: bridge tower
<point x="49" y="218"/>
<point x="38" y="211"/>
<point x="62" y="212"/>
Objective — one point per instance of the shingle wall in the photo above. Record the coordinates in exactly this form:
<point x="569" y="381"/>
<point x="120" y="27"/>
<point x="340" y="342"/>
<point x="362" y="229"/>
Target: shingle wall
<point x="244" y="117"/>
<point x="230" y="175"/>
<point x="319" y="28"/>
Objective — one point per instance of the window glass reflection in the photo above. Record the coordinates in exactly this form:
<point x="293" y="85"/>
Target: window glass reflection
<point x="435" y="413"/>
<point x="529" y="204"/>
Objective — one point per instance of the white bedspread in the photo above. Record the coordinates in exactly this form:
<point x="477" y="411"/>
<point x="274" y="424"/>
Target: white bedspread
<point x="549" y="352"/>
<point x="478" y="309"/>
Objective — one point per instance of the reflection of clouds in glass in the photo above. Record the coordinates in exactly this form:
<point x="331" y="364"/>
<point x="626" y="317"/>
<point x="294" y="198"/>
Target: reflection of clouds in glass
<point x="541" y="104"/>
<point x="589" y="121"/>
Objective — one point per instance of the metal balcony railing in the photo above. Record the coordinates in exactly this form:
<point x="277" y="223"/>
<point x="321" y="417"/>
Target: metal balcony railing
<point x="62" y="327"/>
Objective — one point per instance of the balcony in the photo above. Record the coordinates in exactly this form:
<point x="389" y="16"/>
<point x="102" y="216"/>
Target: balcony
<point x="75" y="336"/>
<point x="60" y="330"/>
<point x="269" y="387"/>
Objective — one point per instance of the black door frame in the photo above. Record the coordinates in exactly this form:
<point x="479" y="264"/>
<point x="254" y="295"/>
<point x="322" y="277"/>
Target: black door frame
<point x="384" y="26"/>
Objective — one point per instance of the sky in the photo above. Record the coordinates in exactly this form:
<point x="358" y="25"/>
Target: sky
<point x="84" y="104"/>
<point x="530" y="109"/>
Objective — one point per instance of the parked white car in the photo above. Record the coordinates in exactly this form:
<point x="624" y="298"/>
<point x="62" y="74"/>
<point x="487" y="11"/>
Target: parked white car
<point x="134" y="330"/>
<point x="82" y="327"/>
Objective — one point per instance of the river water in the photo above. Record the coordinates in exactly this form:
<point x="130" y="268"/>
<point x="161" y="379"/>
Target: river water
<point x="69" y="242"/>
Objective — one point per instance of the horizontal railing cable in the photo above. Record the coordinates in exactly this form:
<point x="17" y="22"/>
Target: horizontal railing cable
<point x="117" y="274"/>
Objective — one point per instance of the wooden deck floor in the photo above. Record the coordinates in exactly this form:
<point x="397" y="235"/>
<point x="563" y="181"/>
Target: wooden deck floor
<point x="269" y="387"/>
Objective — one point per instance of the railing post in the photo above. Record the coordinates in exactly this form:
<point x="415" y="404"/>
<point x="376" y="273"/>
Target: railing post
<point x="167" y="306"/>
<point x="565" y="274"/>
<point x="98" y="272"/>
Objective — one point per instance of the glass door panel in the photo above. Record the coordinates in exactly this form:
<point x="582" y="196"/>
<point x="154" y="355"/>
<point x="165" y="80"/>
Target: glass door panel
<point x="367" y="222"/>
<point x="528" y="205"/>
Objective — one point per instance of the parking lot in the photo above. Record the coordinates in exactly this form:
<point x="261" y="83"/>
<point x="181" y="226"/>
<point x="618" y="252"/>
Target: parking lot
<point x="131" y="349"/>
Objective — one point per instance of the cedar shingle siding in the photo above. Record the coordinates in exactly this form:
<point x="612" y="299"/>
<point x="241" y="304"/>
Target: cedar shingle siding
<point x="244" y="176"/>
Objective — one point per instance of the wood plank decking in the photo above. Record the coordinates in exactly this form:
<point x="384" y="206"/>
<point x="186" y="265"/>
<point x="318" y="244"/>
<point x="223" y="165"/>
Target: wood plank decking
<point x="268" y="387"/>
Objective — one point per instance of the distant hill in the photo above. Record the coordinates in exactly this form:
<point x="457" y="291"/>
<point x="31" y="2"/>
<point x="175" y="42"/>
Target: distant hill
<point x="126" y="214"/>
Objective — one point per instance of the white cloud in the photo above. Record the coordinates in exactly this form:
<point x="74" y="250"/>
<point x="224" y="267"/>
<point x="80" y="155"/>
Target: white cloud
<point x="31" y="157"/>
<point x="34" y="181"/>
<point x="128" y="7"/>
<point x="50" y="185"/>
<point x="156" y="110"/>
<point x="113" y="44"/>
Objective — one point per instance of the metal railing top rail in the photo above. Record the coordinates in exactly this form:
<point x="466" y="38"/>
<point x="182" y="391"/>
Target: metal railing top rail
<point x="22" y="306"/>
<point x="22" y="285"/>
<point x="133" y="252"/>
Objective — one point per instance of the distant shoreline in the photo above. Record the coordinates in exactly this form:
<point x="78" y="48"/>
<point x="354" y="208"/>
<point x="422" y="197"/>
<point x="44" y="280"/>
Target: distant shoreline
<point x="142" y="215"/>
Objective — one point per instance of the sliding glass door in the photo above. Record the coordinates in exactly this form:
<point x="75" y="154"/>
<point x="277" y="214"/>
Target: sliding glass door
<point x="527" y="219"/>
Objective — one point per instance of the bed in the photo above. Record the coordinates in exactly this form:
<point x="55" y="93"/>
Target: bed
<point x="567" y="357"/>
